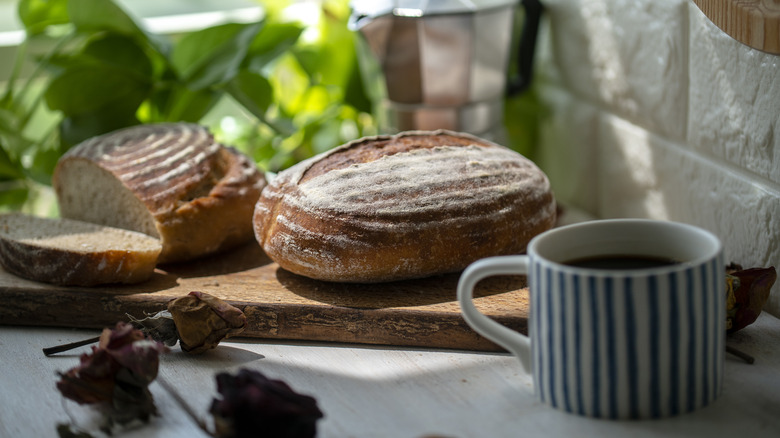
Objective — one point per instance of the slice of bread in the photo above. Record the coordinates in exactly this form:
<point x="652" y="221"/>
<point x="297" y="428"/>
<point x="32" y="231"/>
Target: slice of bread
<point x="74" y="253"/>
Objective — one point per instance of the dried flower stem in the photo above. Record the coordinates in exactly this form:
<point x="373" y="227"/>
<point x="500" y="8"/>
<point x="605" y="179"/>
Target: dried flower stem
<point x="65" y="347"/>
<point x="740" y="354"/>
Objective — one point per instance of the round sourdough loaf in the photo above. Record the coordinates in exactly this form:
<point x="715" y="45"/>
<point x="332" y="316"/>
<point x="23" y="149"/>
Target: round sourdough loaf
<point x="172" y="181"/>
<point x="74" y="253"/>
<point x="400" y="207"/>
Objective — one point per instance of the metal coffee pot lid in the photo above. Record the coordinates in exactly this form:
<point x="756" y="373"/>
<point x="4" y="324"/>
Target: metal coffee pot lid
<point x="421" y="8"/>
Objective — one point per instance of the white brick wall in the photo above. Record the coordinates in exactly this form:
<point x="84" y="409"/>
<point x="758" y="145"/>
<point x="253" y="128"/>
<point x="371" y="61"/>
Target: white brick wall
<point x="655" y="112"/>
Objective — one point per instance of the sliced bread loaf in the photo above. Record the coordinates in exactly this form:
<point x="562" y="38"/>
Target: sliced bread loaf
<point x="74" y="253"/>
<point x="169" y="180"/>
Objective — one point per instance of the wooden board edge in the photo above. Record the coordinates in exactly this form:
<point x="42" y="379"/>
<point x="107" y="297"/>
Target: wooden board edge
<point x="391" y="326"/>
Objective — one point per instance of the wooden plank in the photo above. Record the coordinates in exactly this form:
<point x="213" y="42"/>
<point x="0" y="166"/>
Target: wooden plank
<point x="281" y="305"/>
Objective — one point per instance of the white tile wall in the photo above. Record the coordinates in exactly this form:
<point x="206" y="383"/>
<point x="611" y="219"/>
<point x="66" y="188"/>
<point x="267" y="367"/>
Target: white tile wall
<point x="628" y="59"/>
<point x="655" y="112"/>
<point x="569" y="157"/>
<point x="734" y="99"/>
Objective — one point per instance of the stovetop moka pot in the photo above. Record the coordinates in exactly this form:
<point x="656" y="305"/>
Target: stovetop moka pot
<point x="442" y="64"/>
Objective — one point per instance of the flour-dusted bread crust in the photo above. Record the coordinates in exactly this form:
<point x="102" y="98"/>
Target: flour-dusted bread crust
<point x="172" y="181"/>
<point x="74" y="253"/>
<point x="400" y="207"/>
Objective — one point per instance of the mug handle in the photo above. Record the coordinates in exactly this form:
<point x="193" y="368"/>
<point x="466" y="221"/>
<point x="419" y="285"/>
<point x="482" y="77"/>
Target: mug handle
<point x="514" y="342"/>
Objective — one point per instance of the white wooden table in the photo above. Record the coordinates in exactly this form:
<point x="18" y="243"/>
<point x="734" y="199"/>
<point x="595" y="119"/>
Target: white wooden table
<point x="369" y="391"/>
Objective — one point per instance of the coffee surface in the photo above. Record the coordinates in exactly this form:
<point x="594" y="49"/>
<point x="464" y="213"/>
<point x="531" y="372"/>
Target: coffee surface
<point x="621" y="262"/>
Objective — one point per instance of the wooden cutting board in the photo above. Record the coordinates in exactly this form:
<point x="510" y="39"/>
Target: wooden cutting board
<point x="281" y="305"/>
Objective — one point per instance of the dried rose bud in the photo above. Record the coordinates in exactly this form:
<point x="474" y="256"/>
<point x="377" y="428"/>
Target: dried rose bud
<point x="252" y="403"/>
<point x="746" y="293"/>
<point x="117" y="373"/>
<point x="203" y="320"/>
<point x="92" y="381"/>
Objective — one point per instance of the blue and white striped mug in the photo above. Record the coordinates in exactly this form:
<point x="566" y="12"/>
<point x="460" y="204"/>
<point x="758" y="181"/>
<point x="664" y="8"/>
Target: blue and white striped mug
<point x="615" y="342"/>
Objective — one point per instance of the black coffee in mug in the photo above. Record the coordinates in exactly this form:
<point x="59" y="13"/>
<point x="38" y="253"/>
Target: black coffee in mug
<point x="621" y="262"/>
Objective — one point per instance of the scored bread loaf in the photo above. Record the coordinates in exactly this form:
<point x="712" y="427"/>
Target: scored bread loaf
<point x="172" y="181"/>
<point x="74" y="253"/>
<point x="400" y="207"/>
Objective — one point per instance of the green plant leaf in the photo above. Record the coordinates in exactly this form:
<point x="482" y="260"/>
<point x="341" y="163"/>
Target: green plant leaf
<point x="95" y="16"/>
<point x="12" y="144"/>
<point x="37" y="15"/>
<point x="9" y="169"/>
<point x="87" y="89"/>
<point x="13" y="195"/>
<point x="79" y="127"/>
<point x="44" y="157"/>
<point x="290" y="83"/>
<point x="330" y="62"/>
<point x="95" y="99"/>
<point x="120" y="52"/>
<point x="187" y="105"/>
<point x="107" y="51"/>
<point x="253" y="91"/>
<point x="327" y="136"/>
<point x="273" y="40"/>
<point x="8" y="120"/>
<point x="102" y="15"/>
<point x="213" y="56"/>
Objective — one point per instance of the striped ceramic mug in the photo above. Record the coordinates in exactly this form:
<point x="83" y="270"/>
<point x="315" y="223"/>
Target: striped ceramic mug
<point x="615" y="341"/>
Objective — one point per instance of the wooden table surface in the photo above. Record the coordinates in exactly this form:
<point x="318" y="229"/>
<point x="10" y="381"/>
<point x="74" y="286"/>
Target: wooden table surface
<point x="382" y="391"/>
